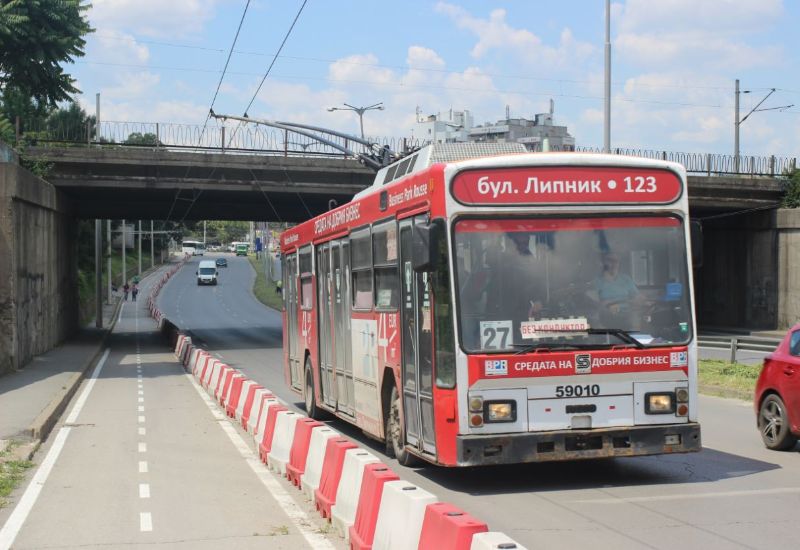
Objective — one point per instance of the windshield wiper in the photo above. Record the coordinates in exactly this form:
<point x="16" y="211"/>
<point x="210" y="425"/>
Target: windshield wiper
<point x="623" y="335"/>
<point x="527" y="348"/>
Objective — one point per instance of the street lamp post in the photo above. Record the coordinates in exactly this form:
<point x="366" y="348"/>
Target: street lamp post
<point x="737" y="122"/>
<point x="360" y="111"/>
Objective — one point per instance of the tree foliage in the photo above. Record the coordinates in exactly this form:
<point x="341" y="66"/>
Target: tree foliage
<point x="792" y="197"/>
<point x="36" y="38"/>
<point x="137" y="138"/>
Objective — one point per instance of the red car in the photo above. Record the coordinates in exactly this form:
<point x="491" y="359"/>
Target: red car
<point x="777" y="398"/>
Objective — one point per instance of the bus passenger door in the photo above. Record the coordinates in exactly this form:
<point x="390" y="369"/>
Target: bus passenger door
<point x="417" y="343"/>
<point x="324" y="324"/>
<point x="344" y="362"/>
<point x="340" y="270"/>
<point x="292" y="304"/>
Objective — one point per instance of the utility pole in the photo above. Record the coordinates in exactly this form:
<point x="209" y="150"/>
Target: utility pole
<point x="737" y="123"/>
<point x="607" y="98"/>
<point x="97" y="118"/>
<point x="108" y="261"/>
<point x="140" y="249"/>
<point x="152" y="245"/>
<point x="98" y="273"/>
<point x="204" y="233"/>
<point x="124" y="250"/>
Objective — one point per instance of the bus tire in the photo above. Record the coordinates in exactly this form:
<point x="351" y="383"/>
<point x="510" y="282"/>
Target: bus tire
<point x="308" y="394"/>
<point x="395" y="433"/>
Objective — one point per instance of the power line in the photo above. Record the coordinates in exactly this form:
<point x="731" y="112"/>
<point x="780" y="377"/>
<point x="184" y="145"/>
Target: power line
<point x="230" y="53"/>
<point x="285" y="38"/>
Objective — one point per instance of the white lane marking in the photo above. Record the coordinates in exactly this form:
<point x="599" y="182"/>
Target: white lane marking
<point x="17" y="518"/>
<point x="141" y="419"/>
<point x="142" y="447"/>
<point x="684" y="496"/>
<point x="141" y="408"/>
<point x="119" y="317"/>
<point x="144" y="490"/>
<point x="145" y="522"/>
<point x="296" y="514"/>
<point x="141" y="392"/>
<point x="141" y="399"/>
<point x="142" y="431"/>
<point x="143" y="467"/>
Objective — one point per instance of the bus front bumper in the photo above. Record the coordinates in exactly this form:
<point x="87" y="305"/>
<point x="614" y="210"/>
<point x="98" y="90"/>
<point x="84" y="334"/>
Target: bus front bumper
<point x="477" y="450"/>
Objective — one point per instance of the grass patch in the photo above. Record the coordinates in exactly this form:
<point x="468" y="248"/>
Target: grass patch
<point x="11" y="473"/>
<point x="264" y="289"/>
<point x="727" y="379"/>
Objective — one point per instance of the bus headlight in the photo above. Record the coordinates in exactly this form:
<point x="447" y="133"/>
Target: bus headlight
<point x="500" y="411"/>
<point x="659" y="403"/>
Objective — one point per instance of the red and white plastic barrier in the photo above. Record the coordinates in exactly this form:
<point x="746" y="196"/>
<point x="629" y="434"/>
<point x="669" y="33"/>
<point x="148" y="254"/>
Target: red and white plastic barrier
<point x="278" y="456"/>
<point x="447" y="527"/>
<point x="325" y="495"/>
<point x="362" y="533"/>
<point x="267" y="435"/>
<point x="309" y="481"/>
<point x="400" y="516"/>
<point x="343" y="512"/>
<point x="250" y="417"/>
<point x="492" y="540"/>
<point x="299" y="450"/>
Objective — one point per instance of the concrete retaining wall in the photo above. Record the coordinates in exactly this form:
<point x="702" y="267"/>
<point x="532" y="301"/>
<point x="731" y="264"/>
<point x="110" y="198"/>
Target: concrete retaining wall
<point x="788" y="224"/>
<point x="38" y="274"/>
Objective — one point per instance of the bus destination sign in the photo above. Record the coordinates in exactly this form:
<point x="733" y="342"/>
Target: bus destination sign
<point x="566" y="185"/>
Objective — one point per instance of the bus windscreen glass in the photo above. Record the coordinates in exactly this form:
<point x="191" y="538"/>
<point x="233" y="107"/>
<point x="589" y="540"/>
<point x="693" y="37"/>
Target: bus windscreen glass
<point x="571" y="283"/>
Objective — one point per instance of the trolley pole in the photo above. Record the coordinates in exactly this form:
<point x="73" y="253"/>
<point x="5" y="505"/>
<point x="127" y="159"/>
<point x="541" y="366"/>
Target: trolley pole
<point x="124" y="250"/>
<point x="152" y="245"/>
<point x="98" y="273"/>
<point x="140" y="248"/>
<point x="108" y="261"/>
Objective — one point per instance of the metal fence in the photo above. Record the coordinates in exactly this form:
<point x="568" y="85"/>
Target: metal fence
<point x="258" y="139"/>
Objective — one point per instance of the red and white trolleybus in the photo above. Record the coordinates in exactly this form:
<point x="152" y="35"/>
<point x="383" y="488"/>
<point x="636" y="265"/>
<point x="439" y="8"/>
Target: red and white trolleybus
<point x="482" y="305"/>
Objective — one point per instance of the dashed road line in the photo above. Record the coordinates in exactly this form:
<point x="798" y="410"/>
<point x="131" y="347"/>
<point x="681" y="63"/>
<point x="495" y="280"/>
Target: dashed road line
<point x="145" y="522"/>
<point x="142" y="447"/>
<point x="144" y="490"/>
<point x="143" y="467"/>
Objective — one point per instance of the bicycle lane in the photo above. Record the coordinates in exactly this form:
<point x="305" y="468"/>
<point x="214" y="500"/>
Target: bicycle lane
<point x="141" y="460"/>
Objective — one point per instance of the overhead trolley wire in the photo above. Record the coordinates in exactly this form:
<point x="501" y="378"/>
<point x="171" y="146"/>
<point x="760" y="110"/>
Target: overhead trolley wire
<point x="275" y="57"/>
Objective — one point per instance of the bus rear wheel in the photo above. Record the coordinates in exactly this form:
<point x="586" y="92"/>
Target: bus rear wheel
<point x="395" y="433"/>
<point x="308" y="395"/>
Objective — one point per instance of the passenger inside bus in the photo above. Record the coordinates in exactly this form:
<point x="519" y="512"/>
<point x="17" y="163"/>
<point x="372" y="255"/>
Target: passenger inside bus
<point x="619" y="298"/>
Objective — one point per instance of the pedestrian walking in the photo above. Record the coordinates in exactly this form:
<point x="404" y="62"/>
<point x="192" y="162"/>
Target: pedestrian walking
<point x="134" y="291"/>
<point x="279" y="287"/>
<point x="125" y="290"/>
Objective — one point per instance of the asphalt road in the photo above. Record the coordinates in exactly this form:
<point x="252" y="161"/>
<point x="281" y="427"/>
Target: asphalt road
<point x="733" y="494"/>
<point x="143" y="461"/>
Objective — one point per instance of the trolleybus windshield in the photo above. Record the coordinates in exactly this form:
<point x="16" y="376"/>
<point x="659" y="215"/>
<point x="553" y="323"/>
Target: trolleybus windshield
<point x="525" y="283"/>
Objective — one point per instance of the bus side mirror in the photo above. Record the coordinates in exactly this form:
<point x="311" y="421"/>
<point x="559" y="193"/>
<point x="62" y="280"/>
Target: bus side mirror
<point x="425" y="241"/>
<point x="696" y="239"/>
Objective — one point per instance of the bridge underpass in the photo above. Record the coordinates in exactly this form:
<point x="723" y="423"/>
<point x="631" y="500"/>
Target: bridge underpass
<point x="745" y="281"/>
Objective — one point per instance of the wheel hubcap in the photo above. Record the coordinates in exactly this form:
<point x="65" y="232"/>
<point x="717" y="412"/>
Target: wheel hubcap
<point x="771" y="421"/>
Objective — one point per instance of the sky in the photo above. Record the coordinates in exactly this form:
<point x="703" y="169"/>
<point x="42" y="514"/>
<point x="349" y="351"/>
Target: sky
<point x="674" y="63"/>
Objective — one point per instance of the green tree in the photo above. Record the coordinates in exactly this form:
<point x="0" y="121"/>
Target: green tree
<point x="69" y="124"/>
<point x="137" y="138"/>
<point x="36" y="38"/>
<point x="792" y="197"/>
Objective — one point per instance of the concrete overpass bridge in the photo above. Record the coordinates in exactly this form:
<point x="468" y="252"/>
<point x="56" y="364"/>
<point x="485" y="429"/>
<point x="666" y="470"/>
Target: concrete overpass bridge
<point x="746" y="281"/>
<point x="162" y="183"/>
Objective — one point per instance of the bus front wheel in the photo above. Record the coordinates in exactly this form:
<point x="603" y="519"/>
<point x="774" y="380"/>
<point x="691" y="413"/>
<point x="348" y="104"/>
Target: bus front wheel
<point x="395" y="433"/>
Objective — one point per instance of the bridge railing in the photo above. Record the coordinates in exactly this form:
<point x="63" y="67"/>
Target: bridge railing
<point x="258" y="139"/>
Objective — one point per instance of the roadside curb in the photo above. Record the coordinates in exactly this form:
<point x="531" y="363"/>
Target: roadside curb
<point x="43" y="424"/>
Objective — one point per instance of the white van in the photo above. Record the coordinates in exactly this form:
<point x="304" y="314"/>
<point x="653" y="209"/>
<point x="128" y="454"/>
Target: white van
<point x="207" y="273"/>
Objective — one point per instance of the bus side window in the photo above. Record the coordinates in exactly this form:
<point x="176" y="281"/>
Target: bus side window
<point x="384" y="257"/>
<point x="361" y="268"/>
<point x="306" y="286"/>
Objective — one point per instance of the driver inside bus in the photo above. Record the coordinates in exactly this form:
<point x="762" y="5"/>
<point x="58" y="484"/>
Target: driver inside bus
<point x="523" y="278"/>
<point x="617" y="293"/>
